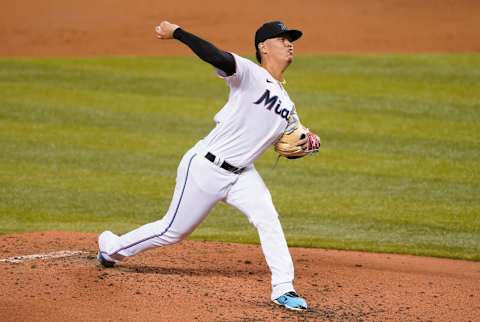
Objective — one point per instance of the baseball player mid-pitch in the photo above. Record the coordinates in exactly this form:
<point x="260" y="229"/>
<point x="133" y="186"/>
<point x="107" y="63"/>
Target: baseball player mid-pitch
<point x="258" y="114"/>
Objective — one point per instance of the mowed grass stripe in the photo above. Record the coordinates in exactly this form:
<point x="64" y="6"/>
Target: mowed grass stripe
<point x="93" y="143"/>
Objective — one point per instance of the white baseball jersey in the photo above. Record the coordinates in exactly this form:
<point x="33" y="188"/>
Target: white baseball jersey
<point x="255" y="116"/>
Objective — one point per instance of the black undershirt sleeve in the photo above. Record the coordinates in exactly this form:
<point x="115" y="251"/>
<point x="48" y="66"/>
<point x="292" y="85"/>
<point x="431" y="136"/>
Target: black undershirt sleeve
<point x="206" y="51"/>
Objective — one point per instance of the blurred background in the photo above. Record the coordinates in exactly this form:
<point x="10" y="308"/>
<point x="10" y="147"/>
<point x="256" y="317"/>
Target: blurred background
<point x="108" y="27"/>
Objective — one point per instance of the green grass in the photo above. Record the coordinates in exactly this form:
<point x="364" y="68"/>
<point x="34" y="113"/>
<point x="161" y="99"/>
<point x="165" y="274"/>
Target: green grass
<point x="93" y="143"/>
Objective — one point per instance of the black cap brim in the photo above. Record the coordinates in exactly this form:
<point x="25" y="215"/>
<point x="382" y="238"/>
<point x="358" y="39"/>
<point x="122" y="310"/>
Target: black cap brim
<point x="292" y="34"/>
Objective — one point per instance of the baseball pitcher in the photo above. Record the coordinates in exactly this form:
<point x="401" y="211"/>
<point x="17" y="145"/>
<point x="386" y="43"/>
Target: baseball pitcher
<point x="220" y="167"/>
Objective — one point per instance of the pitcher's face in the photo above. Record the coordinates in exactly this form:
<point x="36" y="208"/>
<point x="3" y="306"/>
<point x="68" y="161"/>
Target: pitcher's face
<point x="279" y="49"/>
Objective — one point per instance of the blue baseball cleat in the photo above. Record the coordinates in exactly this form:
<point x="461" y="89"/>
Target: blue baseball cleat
<point x="291" y="301"/>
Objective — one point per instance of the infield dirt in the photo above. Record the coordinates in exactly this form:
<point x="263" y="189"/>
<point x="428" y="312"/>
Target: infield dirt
<point x="205" y="281"/>
<point x="108" y="27"/>
<point x="216" y="281"/>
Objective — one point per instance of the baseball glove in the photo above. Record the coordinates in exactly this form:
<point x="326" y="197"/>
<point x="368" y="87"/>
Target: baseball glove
<point x="297" y="143"/>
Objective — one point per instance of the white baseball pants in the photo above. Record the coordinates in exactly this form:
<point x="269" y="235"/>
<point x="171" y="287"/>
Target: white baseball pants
<point x="200" y="184"/>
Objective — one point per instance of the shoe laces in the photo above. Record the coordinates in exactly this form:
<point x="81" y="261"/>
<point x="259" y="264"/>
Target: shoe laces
<point x="292" y="294"/>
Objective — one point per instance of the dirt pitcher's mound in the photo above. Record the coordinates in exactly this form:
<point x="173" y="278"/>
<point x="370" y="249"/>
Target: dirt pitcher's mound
<point x="55" y="277"/>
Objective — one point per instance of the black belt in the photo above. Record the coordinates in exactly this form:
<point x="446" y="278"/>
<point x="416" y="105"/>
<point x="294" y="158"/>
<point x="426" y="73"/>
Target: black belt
<point x="225" y="165"/>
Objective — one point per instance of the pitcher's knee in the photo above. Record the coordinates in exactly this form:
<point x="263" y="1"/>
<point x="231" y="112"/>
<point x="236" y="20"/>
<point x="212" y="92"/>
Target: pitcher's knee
<point x="173" y="236"/>
<point x="271" y="224"/>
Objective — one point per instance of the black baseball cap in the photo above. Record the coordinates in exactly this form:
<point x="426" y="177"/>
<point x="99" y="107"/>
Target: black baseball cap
<point x="274" y="29"/>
